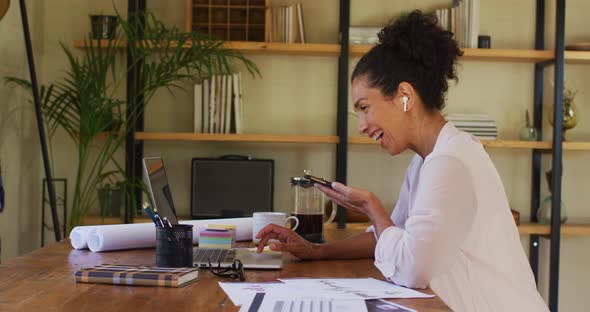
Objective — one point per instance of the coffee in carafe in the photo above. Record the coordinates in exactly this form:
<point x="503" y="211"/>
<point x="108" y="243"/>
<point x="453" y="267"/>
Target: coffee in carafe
<point x="308" y="207"/>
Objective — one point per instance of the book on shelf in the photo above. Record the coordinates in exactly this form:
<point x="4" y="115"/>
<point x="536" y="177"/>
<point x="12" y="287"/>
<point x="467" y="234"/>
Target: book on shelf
<point x="218" y="104"/>
<point x="198" y="121"/>
<point x="205" y="106"/>
<point x="286" y="24"/>
<point x="478" y="125"/>
<point x="237" y="91"/>
<point x="137" y="275"/>
<point x="474" y="124"/>
<point x="363" y="35"/>
<point x="462" y="19"/>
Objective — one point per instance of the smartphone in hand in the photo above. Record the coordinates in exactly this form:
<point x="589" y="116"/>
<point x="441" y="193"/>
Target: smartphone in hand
<point x="321" y="181"/>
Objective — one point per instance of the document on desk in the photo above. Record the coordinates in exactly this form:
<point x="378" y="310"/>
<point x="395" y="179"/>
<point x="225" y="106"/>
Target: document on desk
<point x="242" y="293"/>
<point x="282" y="302"/>
<point x="366" y="288"/>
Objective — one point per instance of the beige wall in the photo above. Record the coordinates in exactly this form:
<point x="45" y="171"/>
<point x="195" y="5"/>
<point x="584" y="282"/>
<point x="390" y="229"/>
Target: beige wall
<point x="297" y="95"/>
<point x="22" y="169"/>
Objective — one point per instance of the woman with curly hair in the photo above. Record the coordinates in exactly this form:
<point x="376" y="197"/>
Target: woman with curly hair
<point x="451" y="229"/>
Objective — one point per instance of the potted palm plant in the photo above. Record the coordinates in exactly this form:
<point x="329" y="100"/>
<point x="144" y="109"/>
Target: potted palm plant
<point x="86" y="101"/>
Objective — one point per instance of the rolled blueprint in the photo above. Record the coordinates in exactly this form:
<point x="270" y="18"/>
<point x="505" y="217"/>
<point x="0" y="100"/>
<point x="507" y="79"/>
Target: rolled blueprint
<point x="142" y="235"/>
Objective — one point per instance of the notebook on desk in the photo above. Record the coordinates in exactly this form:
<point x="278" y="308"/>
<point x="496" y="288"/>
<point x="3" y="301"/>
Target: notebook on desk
<point x="161" y="196"/>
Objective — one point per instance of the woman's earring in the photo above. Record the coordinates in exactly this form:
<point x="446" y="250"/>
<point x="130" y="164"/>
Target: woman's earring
<point x="405" y="100"/>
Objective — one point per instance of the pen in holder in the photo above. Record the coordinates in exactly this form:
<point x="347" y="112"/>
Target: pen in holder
<point x="174" y="246"/>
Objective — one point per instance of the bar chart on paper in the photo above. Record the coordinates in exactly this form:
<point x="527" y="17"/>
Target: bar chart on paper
<point x="277" y="303"/>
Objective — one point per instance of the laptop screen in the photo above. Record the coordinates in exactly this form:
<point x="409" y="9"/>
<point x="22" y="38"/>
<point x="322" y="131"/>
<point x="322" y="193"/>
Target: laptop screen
<point x="157" y="182"/>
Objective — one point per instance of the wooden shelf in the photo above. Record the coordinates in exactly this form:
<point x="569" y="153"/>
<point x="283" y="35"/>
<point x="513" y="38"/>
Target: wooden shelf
<point x="508" y="55"/>
<point x="332" y="139"/>
<point x="256" y="138"/>
<point x="577" y="56"/>
<point x="503" y="55"/>
<point x="542" y="145"/>
<point x="313" y="49"/>
<point x="231" y="6"/>
<point x="566" y="229"/>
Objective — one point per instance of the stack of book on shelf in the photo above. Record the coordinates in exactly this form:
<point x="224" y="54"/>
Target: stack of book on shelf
<point x="218" y="104"/>
<point x="478" y="125"/>
<point x="363" y="35"/>
<point x="462" y="20"/>
<point x="137" y="275"/>
<point x="286" y="24"/>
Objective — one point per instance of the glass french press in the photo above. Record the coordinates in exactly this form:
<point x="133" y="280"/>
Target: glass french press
<point x="307" y="204"/>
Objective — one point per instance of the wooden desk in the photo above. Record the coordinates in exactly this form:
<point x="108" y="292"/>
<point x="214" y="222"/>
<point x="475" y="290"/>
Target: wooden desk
<point x="43" y="280"/>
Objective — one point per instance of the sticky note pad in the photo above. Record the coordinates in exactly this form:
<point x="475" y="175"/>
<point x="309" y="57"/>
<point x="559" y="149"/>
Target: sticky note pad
<point x="216" y="238"/>
<point x="230" y="227"/>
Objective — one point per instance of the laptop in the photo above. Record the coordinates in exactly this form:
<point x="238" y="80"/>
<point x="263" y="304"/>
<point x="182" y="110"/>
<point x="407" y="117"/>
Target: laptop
<point x="161" y="197"/>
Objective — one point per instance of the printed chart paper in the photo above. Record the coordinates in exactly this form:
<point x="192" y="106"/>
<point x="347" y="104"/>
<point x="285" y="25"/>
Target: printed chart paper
<point x="366" y="288"/>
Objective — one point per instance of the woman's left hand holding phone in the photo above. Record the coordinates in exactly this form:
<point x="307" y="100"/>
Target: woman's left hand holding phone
<point x="359" y="200"/>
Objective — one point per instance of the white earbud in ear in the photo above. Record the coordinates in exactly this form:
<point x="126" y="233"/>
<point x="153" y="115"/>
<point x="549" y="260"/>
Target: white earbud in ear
<point x="405" y="100"/>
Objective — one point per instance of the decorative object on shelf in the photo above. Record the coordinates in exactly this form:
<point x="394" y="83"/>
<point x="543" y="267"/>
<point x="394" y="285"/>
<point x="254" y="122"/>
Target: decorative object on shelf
<point x="484" y="42"/>
<point x="103" y="26"/>
<point x="569" y="114"/>
<point x="544" y="212"/>
<point x="528" y="132"/>
<point x="79" y="102"/>
<point x="516" y="216"/>
<point x="235" y="20"/>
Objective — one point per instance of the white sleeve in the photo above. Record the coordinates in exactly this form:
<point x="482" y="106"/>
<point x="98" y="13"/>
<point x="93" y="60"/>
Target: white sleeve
<point x="398" y="215"/>
<point x="437" y="225"/>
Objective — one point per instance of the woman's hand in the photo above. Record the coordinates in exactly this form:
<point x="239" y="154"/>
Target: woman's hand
<point x="288" y="241"/>
<point x="361" y="201"/>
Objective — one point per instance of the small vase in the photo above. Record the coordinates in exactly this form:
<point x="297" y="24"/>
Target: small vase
<point x="544" y="212"/>
<point x="528" y="132"/>
<point x="569" y="115"/>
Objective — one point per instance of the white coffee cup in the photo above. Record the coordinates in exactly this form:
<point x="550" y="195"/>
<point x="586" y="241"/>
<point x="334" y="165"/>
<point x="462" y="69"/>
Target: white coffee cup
<point x="262" y="219"/>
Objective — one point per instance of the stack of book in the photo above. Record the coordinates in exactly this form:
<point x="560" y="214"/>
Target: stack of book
<point x="462" y="20"/>
<point x="478" y="125"/>
<point x="218" y="104"/>
<point x="286" y="24"/>
<point x="363" y="35"/>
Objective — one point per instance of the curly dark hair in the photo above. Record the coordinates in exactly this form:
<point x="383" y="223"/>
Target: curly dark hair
<point x="412" y="49"/>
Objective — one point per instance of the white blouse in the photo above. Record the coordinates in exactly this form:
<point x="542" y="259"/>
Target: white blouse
<point x="455" y="233"/>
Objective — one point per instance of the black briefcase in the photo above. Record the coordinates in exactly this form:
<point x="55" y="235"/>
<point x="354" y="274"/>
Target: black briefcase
<point x="231" y="186"/>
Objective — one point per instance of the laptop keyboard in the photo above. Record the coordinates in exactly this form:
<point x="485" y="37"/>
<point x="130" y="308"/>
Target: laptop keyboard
<point x="214" y="255"/>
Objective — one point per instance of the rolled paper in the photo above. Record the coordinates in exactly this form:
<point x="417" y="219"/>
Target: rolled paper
<point x="79" y="237"/>
<point x="143" y="235"/>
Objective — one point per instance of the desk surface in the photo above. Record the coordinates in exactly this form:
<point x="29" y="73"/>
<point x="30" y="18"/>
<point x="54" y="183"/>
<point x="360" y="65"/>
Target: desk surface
<point x="44" y="280"/>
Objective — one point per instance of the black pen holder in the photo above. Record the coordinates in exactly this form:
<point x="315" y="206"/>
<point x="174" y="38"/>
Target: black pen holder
<point x="174" y="246"/>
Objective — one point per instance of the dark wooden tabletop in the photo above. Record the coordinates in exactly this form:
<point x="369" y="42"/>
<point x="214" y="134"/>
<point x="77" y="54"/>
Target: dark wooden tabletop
<point x="43" y="280"/>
